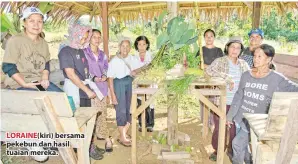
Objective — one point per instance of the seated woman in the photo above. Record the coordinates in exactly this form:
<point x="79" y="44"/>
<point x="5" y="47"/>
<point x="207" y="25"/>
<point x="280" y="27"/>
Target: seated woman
<point x="144" y="57"/>
<point x="262" y="81"/>
<point x="98" y="66"/>
<point x="230" y="68"/>
<point x="121" y="68"/>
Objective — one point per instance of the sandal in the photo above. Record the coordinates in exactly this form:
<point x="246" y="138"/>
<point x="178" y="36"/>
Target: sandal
<point x="126" y="144"/>
<point x="213" y="157"/>
<point x="110" y="148"/>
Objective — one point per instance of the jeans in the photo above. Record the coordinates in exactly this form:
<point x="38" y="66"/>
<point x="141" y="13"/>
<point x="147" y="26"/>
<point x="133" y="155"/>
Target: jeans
<point x="52" y="88"/>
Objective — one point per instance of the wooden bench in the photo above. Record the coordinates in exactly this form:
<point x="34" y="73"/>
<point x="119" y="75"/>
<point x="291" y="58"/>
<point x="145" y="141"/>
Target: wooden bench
<point x="48" y="112"/>
<point x="271" y="132"/>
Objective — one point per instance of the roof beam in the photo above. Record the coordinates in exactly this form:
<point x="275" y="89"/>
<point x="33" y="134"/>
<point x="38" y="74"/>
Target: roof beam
<point x="248" y="4"/>
<point x="127" y="7"/>
<point x="83" y="6"/>
<point x="281" y="7"/>
<point x="114" y="7"/>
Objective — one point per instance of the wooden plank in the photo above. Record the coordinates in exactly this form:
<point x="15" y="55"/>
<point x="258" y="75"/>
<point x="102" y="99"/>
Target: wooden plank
<point x="52" y="122"/>
<point x="252" y="116"/>
<point x="214" y="81"/>
<point x="143" y="118"/>
<point x="83" y="151"/>
<point x="80" y="150"/>
<point x="147" y="91"/>
<point x="84" y="114"/>
<point x="290" y="136"/>
<point x="222" y="127"/>
<point x="254" y="143"/>
<point x="147" y="103"/>
<point x="281" y="102"/>
<point x="13" y="101"/>
<point x="209" y="104"/>
<point x="172" y="121"/>
<point x="134" y="130"/>
<point x="205" y="121"/>
<point x="207" y="92"/>
<point x="175" y="155"/>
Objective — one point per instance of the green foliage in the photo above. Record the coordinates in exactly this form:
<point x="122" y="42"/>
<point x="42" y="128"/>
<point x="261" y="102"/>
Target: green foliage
<point x="7" y="24"/>
<point x="45" y="7"/>
<point x="117" y="28"/>
<point x="285" y="26"/>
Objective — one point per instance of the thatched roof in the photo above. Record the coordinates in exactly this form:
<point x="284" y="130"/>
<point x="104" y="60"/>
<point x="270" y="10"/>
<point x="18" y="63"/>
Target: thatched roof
<point x="127" y="11"/>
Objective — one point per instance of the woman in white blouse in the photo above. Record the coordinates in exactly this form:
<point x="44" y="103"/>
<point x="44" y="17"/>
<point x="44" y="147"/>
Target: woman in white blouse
<point x="143" y="56"/>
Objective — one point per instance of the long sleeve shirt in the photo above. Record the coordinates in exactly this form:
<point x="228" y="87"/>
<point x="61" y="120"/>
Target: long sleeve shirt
<point x="254" y="95"/>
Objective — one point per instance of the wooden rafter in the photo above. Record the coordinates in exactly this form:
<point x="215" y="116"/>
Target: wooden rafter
<point x="127" y="7"/>
<point x="248" y="4"/>
<point x="112" y="9"/>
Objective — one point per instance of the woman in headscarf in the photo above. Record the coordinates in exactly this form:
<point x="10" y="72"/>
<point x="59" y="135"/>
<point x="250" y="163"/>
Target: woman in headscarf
<point x="75" y="69"/>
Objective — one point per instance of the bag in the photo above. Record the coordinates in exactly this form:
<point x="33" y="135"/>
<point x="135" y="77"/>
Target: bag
<point x="71" y="103"/>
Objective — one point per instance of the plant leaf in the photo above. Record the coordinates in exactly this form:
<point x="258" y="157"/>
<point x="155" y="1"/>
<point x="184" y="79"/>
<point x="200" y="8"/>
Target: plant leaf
<point x="45" y="7"/>
<point x="178" y="46"/>
<point x="162" y="39"/>
<point x="177" y="31"/>
<point x="186" y="36"/>
<point x="161" y="17"/>
<point x="192" y="40"/>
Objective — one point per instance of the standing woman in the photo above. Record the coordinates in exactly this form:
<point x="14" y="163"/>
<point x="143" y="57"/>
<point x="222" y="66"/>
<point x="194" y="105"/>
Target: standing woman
<point x="210" y="51"/>
<point x="120" y="83"/>
<point x="75" y="69"/>
<point x="144" y="57"/>
<point x="230" y="68"/>
<point x="98" y="67"/>
<point x="267" y="81"/>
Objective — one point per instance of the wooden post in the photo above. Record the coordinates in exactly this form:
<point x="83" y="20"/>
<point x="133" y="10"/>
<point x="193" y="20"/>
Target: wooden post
<point x="205" y="121"/>
<point x="133" y="129"/>
<point x="50" y="118"/>
<point x="173" y="107"/>
<point x="222" y="126"/>
<point x="172" y="135"/>
<point x="105" y="28"/>
<point x="290" y="136"/>
<point x="256" y="12"/>
<point x="143" y="117"/>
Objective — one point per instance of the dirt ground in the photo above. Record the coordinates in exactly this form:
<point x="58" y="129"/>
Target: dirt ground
<point x="122" y="155"/>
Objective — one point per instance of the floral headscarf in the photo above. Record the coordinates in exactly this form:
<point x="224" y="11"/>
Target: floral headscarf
<point x="76" y="32"/>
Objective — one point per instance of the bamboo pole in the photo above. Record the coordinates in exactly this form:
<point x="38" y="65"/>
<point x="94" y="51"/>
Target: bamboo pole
<point x="199" y="34"/>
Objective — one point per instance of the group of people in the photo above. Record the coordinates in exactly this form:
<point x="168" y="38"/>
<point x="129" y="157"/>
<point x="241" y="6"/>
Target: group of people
<point x="90" y="77"/>
<point x="251" y="81"/>
<point x="88" y="74"/>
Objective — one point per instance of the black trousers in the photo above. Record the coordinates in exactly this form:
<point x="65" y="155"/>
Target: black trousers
<point x="149" y="116"/>
<point x="85" y="102"/>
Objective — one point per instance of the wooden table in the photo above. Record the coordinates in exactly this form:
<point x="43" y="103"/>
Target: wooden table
<point x="202" y="88"/>
<point x="139" y="91"/>
<point x="198" y="88"/>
